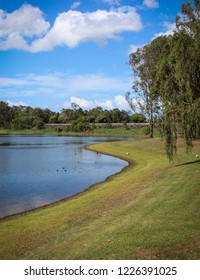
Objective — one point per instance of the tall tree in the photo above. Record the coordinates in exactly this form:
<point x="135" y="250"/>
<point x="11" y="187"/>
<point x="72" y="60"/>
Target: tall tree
<point x="179" y="80"/>
<point x="167" y="76"/>
<point x="145" y="95"/>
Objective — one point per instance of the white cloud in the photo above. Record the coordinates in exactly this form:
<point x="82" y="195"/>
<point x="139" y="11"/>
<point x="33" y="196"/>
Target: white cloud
<point x="73" y="27"/>
<point x="19" y="103"/>
<point x="170" y="26"/>
<point x="117" y="101"/>
<point x="120" y="102"/>
<point x="105" y="104"/>
<point x="133" y="48"/>
<point x="112" y="2"/>
<point x="26" y="22"/>
<point x="75" y="5"/>
<point x="151" y="3"/>
<point x="60" y="84"/>
<point x="83" y="103"/>
<point x="97" y="82"/>
<point x="169" y="29"/>
<point x="32" y="80"/>
<point x="89" y="90"/>
<point x="70" y="28"/>
<point x="12" y="82"/>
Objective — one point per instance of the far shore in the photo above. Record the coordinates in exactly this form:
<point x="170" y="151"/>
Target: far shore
<point x="105" y="131"/>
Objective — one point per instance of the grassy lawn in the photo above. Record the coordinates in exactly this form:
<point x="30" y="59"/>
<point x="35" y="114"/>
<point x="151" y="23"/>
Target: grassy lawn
<point x="151" y="210"/>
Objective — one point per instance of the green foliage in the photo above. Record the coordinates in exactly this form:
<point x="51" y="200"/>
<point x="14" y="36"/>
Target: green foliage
<point x="138" y="118"/>
<point x="79" y="125"/>
<point x="59" y="129"/>
<point x="23" y="122"/>
<point x="5" y="115"/>
<point x="168" y="76"/>
<point x="145" y="96"/>
<point x="180" y="66"/>
<point x="38" y="123"/>
<point x="54" y="118"/>
<point x="25" y="117"/>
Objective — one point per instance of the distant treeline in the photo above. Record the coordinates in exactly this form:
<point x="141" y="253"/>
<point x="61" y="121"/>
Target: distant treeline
<point x="26" y="117"/>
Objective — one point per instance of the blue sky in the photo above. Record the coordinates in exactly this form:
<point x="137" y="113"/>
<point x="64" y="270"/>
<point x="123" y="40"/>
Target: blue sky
<point x="55" y="52"/>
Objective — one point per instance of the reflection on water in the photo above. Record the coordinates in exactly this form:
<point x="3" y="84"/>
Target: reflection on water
<point x="37" y="170"/>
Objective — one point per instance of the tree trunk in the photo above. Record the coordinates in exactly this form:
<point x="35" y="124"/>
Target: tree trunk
<point x="151" y="128"/>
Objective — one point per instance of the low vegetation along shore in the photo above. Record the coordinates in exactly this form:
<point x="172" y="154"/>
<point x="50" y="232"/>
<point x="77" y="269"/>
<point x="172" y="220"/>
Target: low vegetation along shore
<point x="97" y="131"/>
<point x="151" y="210"/>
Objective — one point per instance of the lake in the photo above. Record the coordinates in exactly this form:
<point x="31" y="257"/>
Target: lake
<point x="39" y="170"/>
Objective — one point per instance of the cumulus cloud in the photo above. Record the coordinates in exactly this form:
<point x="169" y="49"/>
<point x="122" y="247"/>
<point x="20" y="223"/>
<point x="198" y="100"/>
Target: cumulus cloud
<point x="19" y="103"/>
<point x="117" y="101"/>
<point x="151" y="3"/>
<point x="120" y="102"/>
<point x="73" y="27"/>
<point x="26" y="22"/>
<point x="70" y="28"/>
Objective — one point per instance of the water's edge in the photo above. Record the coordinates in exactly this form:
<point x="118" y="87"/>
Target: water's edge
<point x="65" y="199"/>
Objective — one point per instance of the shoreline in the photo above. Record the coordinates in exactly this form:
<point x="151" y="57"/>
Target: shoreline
<point x="105" y="220"/>
<point x="65" y="199"/>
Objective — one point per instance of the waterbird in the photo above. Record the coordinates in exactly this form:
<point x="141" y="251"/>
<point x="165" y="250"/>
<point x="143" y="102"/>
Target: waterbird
<point x="197" y="155"/>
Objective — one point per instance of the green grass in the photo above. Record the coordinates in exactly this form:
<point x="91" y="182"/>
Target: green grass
<point x="140" y="131"/>
<point x="27" y="131"/>
<point x="151" y="210"/>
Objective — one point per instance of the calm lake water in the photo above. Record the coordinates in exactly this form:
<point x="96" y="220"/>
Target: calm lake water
<point x="38" y="170"/>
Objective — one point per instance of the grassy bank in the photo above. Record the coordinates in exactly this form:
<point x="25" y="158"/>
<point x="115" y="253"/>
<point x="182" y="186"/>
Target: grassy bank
<point x="151" y="210"/>
<point x="140" y="131"/>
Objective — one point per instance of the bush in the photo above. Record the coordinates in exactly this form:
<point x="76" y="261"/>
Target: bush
<point x="58" y="129"/>
<point x="23" y="122"/>
<point x="38" y="123"/>
<point x="138" y="118"/>
<point x="80" y="125"/>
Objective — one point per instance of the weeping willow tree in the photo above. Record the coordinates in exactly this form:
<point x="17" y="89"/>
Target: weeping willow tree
<point x="172" y="78"/>
<point x="178" y="80"/>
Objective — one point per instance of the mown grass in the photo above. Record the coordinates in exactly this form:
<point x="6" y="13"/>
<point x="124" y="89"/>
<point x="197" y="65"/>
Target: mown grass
<point x="151" y="210"/>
